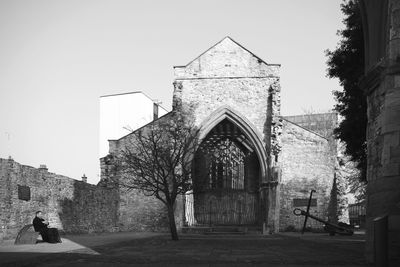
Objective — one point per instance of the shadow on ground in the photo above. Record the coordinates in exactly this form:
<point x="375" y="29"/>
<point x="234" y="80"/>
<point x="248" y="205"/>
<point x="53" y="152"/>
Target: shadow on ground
<point x="126" y="249"/>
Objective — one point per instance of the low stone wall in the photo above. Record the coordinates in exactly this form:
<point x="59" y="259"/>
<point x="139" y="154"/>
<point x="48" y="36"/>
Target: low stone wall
<point x="138" y="212"/>
<point x="70" y="205"/>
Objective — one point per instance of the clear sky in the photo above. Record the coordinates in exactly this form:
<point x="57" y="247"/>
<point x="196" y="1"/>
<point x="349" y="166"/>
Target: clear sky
<point x="58" y="57"/>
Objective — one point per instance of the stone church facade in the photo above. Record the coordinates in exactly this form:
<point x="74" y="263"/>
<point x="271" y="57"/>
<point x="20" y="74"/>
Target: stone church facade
<point x="257" y="166"/>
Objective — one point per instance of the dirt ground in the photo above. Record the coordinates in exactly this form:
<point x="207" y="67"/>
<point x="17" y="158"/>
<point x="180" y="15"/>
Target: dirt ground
<point x="150" y="249"/>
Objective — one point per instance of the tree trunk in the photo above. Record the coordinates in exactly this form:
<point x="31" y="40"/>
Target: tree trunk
<point x="171" y="220"/>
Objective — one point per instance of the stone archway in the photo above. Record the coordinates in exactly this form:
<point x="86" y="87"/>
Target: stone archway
<point x="245" y="127"/>
<point x="229" y="167"/>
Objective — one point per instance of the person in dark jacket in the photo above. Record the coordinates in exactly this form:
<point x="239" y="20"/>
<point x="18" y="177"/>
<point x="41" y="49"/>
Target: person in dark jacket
<point x="41" y="225"/>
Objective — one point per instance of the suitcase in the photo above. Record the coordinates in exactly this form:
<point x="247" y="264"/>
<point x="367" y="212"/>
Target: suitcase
<point x="53" y="236"/>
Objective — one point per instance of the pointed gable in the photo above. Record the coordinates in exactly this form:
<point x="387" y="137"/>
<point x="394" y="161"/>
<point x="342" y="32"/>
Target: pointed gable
<point x="226" y="59"/>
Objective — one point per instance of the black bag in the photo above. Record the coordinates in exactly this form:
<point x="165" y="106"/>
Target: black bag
<point x="53" y="236"/>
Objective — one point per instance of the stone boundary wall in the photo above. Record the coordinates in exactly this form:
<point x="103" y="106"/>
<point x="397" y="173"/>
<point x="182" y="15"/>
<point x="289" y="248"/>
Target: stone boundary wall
<point x="320" y="123"/>
<point x="307" y="162"/>
<point x="70" y="205"/>
<point x="136" y="211"/>
<point x="381" y="84"/>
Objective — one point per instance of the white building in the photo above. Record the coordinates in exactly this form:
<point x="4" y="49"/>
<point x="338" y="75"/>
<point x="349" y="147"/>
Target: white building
<point x="122" y="113"/>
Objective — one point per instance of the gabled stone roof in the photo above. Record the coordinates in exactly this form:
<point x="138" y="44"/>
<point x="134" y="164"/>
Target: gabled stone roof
<point x="227" y="58"/>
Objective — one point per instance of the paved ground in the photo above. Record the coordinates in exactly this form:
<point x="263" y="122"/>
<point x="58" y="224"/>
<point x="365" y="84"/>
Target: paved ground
<point x="149" y="249"/>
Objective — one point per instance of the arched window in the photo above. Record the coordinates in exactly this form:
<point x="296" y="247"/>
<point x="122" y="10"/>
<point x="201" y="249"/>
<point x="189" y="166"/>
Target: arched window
<point x="225" y="165"/>
<point x="226" y="159"/>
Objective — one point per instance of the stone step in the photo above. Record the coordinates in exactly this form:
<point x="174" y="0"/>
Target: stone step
<point x="228" y="229"/>
<point x="225" y="233"/>
<point x="218" y="230"/>
<point x="195" y="229"/>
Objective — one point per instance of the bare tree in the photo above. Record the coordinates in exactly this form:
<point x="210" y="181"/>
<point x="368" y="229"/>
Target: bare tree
<point x="156" y="160"/>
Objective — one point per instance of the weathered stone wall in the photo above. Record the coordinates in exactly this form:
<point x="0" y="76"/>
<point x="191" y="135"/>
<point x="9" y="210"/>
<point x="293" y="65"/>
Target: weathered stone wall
<point x="246" y="96"/>
<point x="321" y="123"/>
<point x="137" y="212"/>
<point x="307" y="162"/>
<point x="68" y="204"/>
<point x="228" y="75"/>
<point x="226" y="59"/>
<point x="381" y="22"/>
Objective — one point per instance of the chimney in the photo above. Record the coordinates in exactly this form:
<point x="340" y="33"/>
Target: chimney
<point x="84" y="178"/>
<point x="155" y="111"/>
<point x="43" y="167"/>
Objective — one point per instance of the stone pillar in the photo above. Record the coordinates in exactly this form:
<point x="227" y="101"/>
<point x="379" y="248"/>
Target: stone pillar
<point x="107" y="171"/>
<point x="270" y="207"/>
<point x="270" y="201"/>
<point x="381" y="22"/>
<point x="383" y="133"/>
<point x="270" y="184"/>
<point x="177" y="96"/>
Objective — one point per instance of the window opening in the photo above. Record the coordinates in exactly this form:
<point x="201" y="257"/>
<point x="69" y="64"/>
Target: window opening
<point x="225" y="165"/>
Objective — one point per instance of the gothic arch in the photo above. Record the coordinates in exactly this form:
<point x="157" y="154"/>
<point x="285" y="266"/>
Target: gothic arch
<point x="244" y="125"/>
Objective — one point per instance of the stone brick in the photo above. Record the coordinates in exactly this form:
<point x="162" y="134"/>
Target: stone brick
<point x="392" y="97"/>
<point x="395" y="154"/>
<point x="382" y="201"/>
<point x="226" y="59"/>
<point x="228" y="76"/>
<point x="392" y="139"/>
<point x="396" y="81"/>
<point x="383" y="125"/>
<point x="68" y="204"/>
<point x="229" y="79"/>
<point x="396" y="17"/>
<point x="392" y="115"/>
<point x="394" y="45"/>
<point x="394" y="223"/>
<point x="390" y="127"/>
<point x="385" y="158"/>
<point x="138" y="212"/>
<point x="391" y="169"/>
<point x="307" y="163"/>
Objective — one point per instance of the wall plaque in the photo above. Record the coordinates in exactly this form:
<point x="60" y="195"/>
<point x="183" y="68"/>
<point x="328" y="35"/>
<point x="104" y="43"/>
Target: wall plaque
<point x="24" y="192"/>
<point x="303" y="202"/>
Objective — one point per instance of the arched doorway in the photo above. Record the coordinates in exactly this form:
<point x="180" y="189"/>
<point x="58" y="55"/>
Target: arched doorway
<point x="226" y="177"/>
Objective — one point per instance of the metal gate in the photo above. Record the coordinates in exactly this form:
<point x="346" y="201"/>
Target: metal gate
<point x="229" y="207"/>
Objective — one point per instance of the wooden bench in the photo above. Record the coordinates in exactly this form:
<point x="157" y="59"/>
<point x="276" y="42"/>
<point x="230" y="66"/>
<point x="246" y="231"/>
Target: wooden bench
<point x="26" y="235"/>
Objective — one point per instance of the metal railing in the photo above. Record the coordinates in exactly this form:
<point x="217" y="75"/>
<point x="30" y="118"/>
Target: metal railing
<point x="230" y="209"/>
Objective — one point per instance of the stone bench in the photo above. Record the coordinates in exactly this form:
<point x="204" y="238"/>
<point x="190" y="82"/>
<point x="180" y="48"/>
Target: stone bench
<point x="26" y="235"/>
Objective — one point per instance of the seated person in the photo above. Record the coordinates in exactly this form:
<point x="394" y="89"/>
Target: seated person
<point x="40" y="225"/>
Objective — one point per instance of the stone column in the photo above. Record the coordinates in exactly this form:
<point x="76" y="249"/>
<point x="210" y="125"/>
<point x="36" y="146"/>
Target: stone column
<point x="383" y="139"/>
<point x="381" y="24"/>
<point x="269" y="193"/>
<point x="270" y="189"/>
